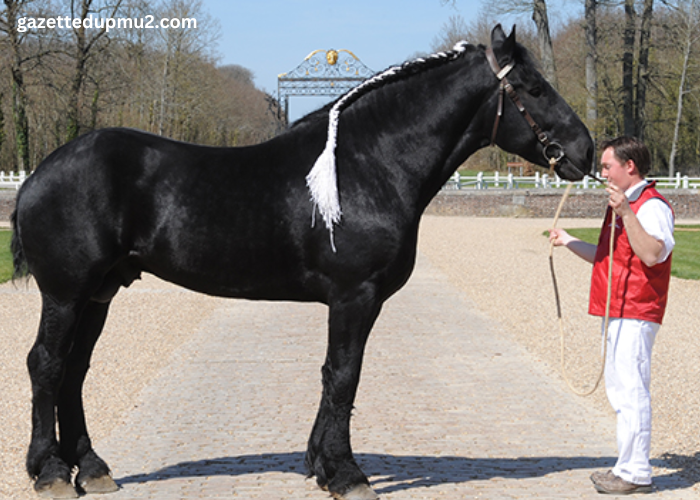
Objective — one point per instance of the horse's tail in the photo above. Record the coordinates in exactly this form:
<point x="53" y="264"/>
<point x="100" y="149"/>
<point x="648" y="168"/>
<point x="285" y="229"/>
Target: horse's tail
<point x="18" y="258"/>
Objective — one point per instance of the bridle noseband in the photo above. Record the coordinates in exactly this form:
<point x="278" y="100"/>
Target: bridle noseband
<point x="553" y="151"/>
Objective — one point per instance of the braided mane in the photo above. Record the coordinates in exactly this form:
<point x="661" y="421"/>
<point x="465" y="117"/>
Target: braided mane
<point x="321" y="180"/>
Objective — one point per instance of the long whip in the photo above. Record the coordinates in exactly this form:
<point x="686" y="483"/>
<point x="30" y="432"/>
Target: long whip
<point x="607" y="302"/>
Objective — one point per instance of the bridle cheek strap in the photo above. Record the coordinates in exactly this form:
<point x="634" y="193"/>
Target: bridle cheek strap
<point x="500" y="74"/>
<point x="504" y="88"/>
<point x="499" y="112"/>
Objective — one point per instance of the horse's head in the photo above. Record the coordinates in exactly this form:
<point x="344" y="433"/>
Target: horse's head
<point x="536" y="123"/>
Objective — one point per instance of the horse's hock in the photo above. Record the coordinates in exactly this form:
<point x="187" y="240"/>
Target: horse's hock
<point x="540" y="203"/>
<point x="503" y="203"/>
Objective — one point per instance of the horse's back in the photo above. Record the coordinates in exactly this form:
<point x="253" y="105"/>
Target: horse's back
<point x="190" y="214"/>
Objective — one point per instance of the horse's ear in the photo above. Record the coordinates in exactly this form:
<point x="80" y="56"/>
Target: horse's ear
<point x="511" y="40"/>
<point x="497" y="35"/>
<point x="503" y="45"/>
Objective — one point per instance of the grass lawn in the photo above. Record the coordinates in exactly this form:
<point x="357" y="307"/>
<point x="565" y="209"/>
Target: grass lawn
<point x="686" y="254"/>
<point x="5" y="255"/>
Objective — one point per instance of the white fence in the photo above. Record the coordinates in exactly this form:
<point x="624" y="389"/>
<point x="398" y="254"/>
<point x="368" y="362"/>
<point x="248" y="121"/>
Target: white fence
<point x="12" y="180"/>
<point x="478" y="181"/>
<point x="545" y="181"/>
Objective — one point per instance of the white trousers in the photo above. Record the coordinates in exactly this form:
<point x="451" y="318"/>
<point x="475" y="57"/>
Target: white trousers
<point x="627" y="378"/>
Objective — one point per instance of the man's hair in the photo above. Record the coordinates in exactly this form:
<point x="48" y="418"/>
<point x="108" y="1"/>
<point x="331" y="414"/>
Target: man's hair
<point x="628" y="148"/>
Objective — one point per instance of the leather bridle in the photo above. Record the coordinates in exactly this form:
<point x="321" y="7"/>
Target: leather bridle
<point x="553" y="151"/>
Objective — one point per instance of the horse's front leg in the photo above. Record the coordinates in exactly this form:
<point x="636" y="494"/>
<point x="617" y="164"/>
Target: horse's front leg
<point x="329" y="456"/>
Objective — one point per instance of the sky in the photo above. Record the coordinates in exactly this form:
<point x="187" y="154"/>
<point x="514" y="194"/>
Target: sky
<point x="270" y="37"/>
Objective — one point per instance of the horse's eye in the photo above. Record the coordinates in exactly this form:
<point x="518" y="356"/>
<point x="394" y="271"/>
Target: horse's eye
<point x="535" y="91"/>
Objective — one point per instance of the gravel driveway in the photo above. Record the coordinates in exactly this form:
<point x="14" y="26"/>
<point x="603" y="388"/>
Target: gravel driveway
<point x="503" y="265"/>
<point x="499" y="263"/>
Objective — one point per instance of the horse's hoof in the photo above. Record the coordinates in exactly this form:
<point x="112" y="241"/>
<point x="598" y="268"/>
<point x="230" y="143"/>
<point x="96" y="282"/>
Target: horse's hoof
<point x="359" y="492"/>
<point x="57" y="489"/>
<point x="103" y="484"/>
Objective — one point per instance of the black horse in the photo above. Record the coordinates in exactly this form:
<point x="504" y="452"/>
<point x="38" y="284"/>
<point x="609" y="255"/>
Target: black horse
<point x="239" y="222"/>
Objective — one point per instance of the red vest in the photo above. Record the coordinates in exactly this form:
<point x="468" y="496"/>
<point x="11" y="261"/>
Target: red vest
<point x="638" y="291"/>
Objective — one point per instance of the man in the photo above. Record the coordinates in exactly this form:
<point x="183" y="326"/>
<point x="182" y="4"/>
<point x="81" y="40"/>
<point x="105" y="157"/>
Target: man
<point x="641" y="273"/>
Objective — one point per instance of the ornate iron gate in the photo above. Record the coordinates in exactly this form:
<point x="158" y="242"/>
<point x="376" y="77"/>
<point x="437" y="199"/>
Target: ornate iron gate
<point x="322" y="73"/>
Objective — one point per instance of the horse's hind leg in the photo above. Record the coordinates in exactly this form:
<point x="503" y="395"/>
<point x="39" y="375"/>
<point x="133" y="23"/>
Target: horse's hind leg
<point x="329" y="456"/>
<point x="46" y="363"/>
<point x="75" y="445"/>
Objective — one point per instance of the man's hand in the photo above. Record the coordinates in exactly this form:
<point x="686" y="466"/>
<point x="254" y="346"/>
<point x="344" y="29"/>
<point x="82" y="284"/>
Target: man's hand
<point x="646" y="247"/>
<point x="618" y="201"/>
<point x="559" y="237"/>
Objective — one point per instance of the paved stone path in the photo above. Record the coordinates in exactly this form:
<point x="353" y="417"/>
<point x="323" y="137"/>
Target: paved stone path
<point x="447" y="408"/>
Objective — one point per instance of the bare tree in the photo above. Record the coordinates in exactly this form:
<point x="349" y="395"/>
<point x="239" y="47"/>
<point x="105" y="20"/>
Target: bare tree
<point x="591" y="66"/>
<point x="26" y="48"/>
<point x="15" y="39"/>
<point x="628" y="68"/>
<point x="634" y="93"/>
<point x="643" y="69"/>
<point x="689" y="11"/>
<point x="58" y="83"/>
<point x="539" y="16"/>
<point x="2" y="122"/>
<point x="538" y="11"/>
<point x="85" y="48"/>
<point x="181" y="48"/>
<point x="454" y="30"/>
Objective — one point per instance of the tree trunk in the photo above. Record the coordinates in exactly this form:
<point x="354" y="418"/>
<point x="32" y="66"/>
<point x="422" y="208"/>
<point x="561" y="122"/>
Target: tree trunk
<point x="691" y="36"/>
<point x="628" y="69"/>
<point x="19" y="94"/>
<point x="84" y="47"/>
<point x="2" y="122"/>
<point x="73" y="126"/>
<point x="591" y="68"/>
<point x="643" y="70"/>
<point x="679" y="113"/>
<point x="19" y="113"/>
<point x="94" y="108"/>
<point x="163" y="92"/>
<point x="539" y="16"/>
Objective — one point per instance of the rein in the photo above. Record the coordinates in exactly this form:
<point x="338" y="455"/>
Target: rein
<point x="558" y="302"/>
<point x="553" y="153"/>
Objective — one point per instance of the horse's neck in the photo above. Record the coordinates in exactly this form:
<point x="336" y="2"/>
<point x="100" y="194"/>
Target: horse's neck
<point x="423" y="128"/>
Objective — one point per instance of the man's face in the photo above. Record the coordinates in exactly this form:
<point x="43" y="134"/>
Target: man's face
<point x="616" y="172"/>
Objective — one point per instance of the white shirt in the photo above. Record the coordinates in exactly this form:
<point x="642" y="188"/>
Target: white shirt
<point x="656" y="218"/>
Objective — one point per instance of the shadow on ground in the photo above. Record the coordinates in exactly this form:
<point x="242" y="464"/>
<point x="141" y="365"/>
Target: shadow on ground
<point x="390" y="473"/>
